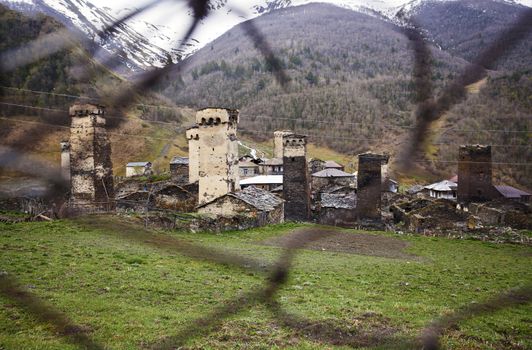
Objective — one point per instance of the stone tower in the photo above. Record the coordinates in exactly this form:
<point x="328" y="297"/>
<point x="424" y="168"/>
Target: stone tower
<point x="193" y="153"/>
<point x="278" y="142"/>
<point x="65" y="160"/>
<point x="474" y="174"/>
<point x="91" y="169"/>
<point x="369" y="186"/>
<point x="295" y="178"/>
<point x="218" y="153"/>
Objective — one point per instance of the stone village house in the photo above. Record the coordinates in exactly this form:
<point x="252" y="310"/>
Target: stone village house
<point x="260" y="205"/>
<point x="248" y="169"/>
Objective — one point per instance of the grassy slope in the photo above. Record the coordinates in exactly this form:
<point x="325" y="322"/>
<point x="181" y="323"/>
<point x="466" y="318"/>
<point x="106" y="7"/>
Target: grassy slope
<point x="130" y="295"/>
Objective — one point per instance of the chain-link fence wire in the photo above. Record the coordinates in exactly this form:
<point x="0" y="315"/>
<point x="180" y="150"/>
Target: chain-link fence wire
<point x="429" y="110"/>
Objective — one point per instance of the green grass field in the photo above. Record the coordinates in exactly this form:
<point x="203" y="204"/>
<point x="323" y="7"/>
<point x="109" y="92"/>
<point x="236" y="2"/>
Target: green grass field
<point x="130" y="290"/>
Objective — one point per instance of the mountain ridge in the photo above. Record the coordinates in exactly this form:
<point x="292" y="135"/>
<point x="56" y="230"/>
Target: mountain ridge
<point x="141" y="45"/>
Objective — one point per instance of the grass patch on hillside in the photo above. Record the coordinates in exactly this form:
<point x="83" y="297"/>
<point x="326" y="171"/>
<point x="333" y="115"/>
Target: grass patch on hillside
<point x="128" y="294"/>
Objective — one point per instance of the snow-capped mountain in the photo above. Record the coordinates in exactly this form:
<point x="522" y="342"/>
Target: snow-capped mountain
<point x="152" y="38"/>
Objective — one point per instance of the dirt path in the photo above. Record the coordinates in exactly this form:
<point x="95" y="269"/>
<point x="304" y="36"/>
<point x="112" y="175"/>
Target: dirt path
<point x="354" y="243"/>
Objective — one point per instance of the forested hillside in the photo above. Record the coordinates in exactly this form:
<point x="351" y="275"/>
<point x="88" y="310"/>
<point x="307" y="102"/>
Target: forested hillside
<point x="345" y="68"/>
<point x="351" y="86"/>
<point x="464" y="28"/>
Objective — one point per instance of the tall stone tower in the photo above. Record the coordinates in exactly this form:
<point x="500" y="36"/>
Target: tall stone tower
<point x="218" y="153"/>
<point x="295" y="178"/>
<point x="91" y="169"/>
<point x="474" y="174"/>
<point x="278" y="142"/>
<point x="193" y="153"/>
<point x="369" y="186"/>
<point x="65" y="160"/>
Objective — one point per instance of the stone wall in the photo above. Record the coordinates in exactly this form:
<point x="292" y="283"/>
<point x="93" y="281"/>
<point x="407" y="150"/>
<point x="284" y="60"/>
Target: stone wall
<point x="65" y="160"/>
<point x="474" y="174"/>
<point x="218" y="153"/>
<point x="180" y="173"/>
<point x="296" y="191"/>
<point x="337" y="217"/>
<point x="503" y="213"/>
<point x="193" y="154"/>
<point x="369" y="186"/>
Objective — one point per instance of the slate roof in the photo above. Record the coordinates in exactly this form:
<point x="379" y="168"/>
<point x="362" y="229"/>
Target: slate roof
<point x="332" y="164"/>
<point x="258" y="198"/>
<point x="442" y="186"/>
<point x="263" y="180"/>
<point x="179" y="160"/>
<point x="511" y="192"/>
<point x="246" y="164"/>
<point x="273" y="161"/>
<point x="336" y="189"/>
<point x="138" y="164"/>
<point x="332" y="172"/>
<point x="338" y="201"/>
<point x="278" y="189"/>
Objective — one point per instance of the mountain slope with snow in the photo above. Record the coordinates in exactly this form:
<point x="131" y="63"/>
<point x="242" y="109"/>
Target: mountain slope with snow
<point x="153" y="37"/>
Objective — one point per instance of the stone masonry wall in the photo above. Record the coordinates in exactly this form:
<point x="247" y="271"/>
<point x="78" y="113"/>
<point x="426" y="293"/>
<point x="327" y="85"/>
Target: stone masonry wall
<point x="180" y="173"/>
<point x="65" y="160"/>
<point x="193" y="154"/>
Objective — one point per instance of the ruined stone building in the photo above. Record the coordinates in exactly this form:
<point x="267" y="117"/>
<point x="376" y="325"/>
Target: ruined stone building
<point x="369" y="186"/>
<point x="278" y="147"/>
<point x="474" y="174"/>
<point x="218" y="153"/>
<point x="181" y="198"/>
<point x="91" y="169"/>
<point x="167" y="195"/>
<point x="296" y="190"/>
<point x="179" y="170"/>
<point x="65" y="160"/>
<point x="193" y="153"/>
